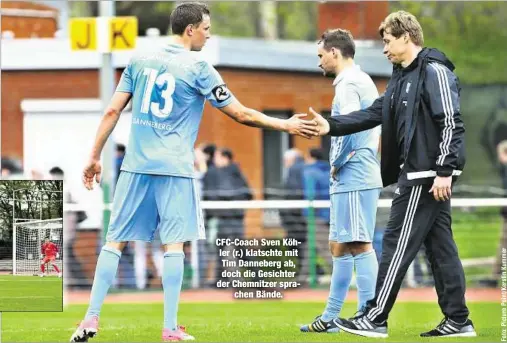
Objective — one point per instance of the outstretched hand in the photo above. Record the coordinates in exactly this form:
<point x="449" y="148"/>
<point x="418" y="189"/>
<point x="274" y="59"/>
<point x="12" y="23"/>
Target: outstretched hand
<point x="92" y="170"/>
<point x="322" y="123"/>
<point x="305" y="128"/>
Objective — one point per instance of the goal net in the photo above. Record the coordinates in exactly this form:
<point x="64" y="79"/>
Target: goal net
<point x="28" y="237"/>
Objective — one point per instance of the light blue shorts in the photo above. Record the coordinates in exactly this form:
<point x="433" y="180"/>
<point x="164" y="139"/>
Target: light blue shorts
<point x="353" y="216"/>
<point x="142" y="203"/>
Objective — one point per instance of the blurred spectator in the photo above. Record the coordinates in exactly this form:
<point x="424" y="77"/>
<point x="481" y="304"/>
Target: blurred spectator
<point x="210" y="186"/>
<point x="209" y="182"/>
<point x="73" y="274"/>
<point x="127" y="265"/>
<point x="382" y="219"/>
<point x="500" y="141"/>
<point x="232" y="186"/>
<point x="294" y="164"/>
<point x="292" y="219"/>
<point x="494" y="142"/>
<point x="209" y="151"/>
<point x="56" y="173"/>
<point x="141" y="258"/>
<point x="204" y="246"/>
<point x="316" y="176"/>
<point x="11" y="168"/>
<point x="419" y="273"/>
<point x="120" y="155"/>
<point x="36" y="175"/>
<point x="200" y="166"/>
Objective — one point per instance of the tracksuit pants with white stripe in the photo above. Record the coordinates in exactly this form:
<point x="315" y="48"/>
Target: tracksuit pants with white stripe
<point x="417" y="218"/>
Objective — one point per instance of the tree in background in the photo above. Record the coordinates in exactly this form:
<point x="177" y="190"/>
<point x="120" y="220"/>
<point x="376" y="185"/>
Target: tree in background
<point x="28" y="204"/>
<point x="297" y="20"/>
<point x="472" y="34"/>
<point x="268" y="19"/>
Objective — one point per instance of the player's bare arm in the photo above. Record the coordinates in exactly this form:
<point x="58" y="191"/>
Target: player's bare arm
<point x="111" y="115"/>
<point x="250" y="117"/>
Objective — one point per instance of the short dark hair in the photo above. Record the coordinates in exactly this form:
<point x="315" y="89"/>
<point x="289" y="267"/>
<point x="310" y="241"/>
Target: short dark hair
<point x="317" y="154"/>
<point x="210" y="149"/>
<point x="225" y="152"/>
<point x="340" y="39"/>
<point x="12" y="165"/>
<point x="56" y="171"/>
<point x="120" y="148"/>
<point x="187" y="13"/>
<point x="500" y="133"/>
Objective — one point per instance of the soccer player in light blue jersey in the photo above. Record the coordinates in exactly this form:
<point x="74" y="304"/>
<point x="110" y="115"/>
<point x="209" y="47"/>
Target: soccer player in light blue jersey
<point x="355" y="182"/>
<point x="156" y="187"/>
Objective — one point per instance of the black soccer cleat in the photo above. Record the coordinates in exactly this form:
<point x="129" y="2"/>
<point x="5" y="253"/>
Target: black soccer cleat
<point x="449" y="328"/>
<point x="318" y="325"/>
<point x="88" y="328"/>
<point x="360" y="325"/>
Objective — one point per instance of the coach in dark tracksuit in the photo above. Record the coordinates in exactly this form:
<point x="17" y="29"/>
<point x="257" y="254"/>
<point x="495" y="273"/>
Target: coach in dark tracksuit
<point x="423" y="152"/>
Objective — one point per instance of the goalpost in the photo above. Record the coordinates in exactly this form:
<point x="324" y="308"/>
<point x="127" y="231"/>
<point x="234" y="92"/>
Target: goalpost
<point x="33" y="220"/>
<point x="28" y="237"/>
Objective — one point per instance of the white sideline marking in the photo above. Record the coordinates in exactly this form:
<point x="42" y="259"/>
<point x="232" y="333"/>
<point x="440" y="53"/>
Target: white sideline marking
<point x="480" y="261"/>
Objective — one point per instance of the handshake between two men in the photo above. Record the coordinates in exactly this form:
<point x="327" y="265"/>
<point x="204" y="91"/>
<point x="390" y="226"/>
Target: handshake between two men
<point x="314" y="124"/>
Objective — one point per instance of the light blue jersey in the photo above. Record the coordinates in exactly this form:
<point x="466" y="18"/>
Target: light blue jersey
<point x="168" y="88"/>
<point x="354" y="155"/>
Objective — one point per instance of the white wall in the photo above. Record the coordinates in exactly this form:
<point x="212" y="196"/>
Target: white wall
<point x="61" y="133"/>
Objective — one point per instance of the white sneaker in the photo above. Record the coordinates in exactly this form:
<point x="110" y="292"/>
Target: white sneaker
<point x="59" y="274"/>
<point x="87" y="329"/>
<point x="179" y="334"/>
<point x="41" y="275"/>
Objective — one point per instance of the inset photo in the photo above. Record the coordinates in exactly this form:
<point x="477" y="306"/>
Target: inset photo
<point x="31" y="246"/>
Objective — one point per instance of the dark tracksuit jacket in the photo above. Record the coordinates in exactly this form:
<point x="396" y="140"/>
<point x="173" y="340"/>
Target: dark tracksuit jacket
<point x="422" y="137"/>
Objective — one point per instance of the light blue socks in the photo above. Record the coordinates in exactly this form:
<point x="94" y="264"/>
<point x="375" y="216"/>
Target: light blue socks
<point x="172" y="279"/>
<point x="366" y="276"/>
<point x="366" y="266"/>
<point x="105" y="272"/>
<point x="341" y="276"/>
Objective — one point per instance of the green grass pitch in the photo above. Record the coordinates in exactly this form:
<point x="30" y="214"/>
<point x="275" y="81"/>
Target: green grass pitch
<point x="476" y="233"/>
<point x="31" y="293"/>
<point x="247" y="321"/>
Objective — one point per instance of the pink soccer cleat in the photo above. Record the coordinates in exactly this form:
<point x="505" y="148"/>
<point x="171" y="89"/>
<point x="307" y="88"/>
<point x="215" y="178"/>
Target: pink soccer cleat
<point x="87" y="329"/>
<point x="179" y="334"/>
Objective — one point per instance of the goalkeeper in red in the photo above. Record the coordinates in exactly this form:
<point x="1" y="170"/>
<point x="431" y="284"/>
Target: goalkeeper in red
<point x="49" y="254"/>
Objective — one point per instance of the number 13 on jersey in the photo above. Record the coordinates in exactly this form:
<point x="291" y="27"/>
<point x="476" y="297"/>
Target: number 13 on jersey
<point x="161" y="80"/>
